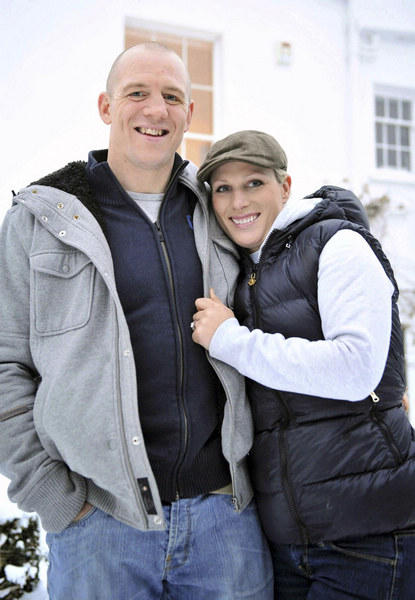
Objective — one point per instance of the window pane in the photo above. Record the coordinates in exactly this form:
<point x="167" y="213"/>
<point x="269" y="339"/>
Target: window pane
<point x="392" y="162"/>
<point x="135" y="36"/>
<point x="406" y="111"/>
<point x="380" y="107"/>
<point x="393" y="109"/>
<point x="199" y="58"/>
<point x="196" y="150"/>
<point x="379" y="157"/>
<point x="406" y="161"/>
<point x="174" y="42"/>
<point x="379" y="133"/>
<point x="404" y="136"/>
<point x="202" y="121"/>
<point x="391" y="129"/>
<point x="393" y="132"/>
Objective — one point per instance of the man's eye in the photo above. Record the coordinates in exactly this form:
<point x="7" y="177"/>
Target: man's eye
<point x="172" y="99"/>
<point x="137" y="94"/>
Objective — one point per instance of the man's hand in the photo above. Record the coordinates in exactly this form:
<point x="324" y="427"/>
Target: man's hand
<point x="85" y="509"/>
<point x="211" y="312"/>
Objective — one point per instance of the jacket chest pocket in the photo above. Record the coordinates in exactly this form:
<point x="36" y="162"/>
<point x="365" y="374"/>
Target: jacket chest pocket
<point x="62" y="284"/>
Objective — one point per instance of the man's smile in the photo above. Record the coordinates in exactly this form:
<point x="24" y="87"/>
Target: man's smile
<point x="150" y="131"/>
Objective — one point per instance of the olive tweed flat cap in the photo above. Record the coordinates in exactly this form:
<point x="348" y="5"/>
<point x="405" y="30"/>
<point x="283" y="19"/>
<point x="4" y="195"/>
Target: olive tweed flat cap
<point x="249" y="146"/>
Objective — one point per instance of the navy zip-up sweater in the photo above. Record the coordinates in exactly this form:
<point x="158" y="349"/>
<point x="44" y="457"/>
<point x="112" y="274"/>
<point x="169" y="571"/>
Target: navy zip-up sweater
<point x="158" y="276"/>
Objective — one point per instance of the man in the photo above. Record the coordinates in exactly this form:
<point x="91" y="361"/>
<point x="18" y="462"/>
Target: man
<point x="115" y="428"/>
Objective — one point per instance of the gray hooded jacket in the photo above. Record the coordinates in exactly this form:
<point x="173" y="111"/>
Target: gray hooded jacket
<point x="69" y="424"/>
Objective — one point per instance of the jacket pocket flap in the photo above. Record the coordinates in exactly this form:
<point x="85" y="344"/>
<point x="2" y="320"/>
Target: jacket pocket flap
<point x="60" y="264"/>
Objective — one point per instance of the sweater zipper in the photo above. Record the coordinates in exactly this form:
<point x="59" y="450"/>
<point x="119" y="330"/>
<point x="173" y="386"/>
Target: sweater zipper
<point x="384" y="429"/>
<point x="162" y="241"/>
<point x="180" y="337"/>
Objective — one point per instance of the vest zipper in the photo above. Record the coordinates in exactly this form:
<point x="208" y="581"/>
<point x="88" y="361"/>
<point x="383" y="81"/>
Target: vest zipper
<point x="253" y="278"/>
<point x="286" y="483"/>
<point x="252" y="290"/>
<point x="179" y="333"/>
<point x="385" y="429"/>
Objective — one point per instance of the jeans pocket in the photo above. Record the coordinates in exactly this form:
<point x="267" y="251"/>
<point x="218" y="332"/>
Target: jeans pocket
<point x="71" y="533"/>
<point x="84" y="518"/>
<point x="376" y="548"/>
<point x="405" y="532"/>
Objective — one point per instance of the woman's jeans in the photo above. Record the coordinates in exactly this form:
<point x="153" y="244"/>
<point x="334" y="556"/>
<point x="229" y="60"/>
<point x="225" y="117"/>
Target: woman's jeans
<point x="377" y="567"/>
<point x="208" y="551"/>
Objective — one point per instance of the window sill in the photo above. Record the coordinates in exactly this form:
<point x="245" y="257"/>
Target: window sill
<point x="392" y="176"/>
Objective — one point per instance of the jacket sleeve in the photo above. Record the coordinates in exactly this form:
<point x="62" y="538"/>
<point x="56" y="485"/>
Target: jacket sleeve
<point x="33" y="474"/>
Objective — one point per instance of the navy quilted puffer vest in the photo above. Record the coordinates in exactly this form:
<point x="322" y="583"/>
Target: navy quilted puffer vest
<point x="323" y="469"/>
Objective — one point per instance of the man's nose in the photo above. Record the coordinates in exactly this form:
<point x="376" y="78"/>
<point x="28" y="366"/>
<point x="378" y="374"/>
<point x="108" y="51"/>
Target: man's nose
<point x="155" y="106"/>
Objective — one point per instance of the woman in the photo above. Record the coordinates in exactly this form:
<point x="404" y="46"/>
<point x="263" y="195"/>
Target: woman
<point x="316" y="331"/>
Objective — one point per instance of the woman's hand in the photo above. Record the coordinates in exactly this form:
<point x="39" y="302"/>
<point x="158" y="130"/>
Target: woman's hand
<point x="211" y="312"/>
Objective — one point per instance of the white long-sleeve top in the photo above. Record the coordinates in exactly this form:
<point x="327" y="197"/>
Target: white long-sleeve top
<point x="354" y="298"/>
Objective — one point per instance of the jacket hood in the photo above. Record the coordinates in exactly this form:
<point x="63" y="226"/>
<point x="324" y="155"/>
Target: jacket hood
<point x="329" y="202"/>
<point x="346" y="201"/>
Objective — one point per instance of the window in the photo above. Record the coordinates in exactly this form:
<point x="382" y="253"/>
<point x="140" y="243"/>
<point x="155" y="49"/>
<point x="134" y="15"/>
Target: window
<point x="197" y="54"/>
<point x="394" y="132"/>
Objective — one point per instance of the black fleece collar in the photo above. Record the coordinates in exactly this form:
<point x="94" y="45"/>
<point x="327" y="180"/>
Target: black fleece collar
<point x="72" y="179"/>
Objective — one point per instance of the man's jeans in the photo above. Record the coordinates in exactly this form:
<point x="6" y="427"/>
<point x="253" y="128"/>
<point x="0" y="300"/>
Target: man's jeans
<point x="208" y="552"/>
<point x="377" y="567"/>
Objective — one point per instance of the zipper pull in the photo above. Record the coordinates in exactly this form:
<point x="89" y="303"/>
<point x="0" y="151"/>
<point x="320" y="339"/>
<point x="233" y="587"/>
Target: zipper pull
<point x="252" y="279"/>
<point x="374" y="397"/>
<point x="289" y="241"/>
<point x="235" y="503"/>
<point x="159" y="232"/>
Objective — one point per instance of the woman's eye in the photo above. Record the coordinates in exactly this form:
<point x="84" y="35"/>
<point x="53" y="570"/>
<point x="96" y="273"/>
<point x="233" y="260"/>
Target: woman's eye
<point x="221" y="188"/>
<point x="255" y="183"/>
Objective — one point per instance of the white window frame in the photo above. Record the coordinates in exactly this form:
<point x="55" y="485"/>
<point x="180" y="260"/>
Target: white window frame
<point x="163" y="28"/>
<point x="387" y="171"/>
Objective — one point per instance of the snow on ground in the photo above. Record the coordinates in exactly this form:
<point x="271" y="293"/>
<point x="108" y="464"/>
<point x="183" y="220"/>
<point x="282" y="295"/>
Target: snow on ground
<point x="8" y="510"/>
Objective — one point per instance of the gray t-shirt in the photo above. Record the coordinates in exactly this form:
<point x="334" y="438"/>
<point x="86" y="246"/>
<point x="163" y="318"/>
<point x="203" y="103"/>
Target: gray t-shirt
<point x="149" y="203"/>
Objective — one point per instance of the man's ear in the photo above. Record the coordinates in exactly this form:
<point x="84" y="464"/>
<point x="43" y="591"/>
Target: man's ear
<point x="189" y="115"/>
<point x="104" y="107"/>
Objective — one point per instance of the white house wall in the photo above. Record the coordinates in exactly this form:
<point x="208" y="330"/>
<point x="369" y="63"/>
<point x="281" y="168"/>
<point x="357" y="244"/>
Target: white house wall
<point x="56" y="55"/>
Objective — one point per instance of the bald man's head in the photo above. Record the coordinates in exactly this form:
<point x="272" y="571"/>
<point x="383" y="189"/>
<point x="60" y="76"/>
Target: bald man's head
<point x="138" y="51"/>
